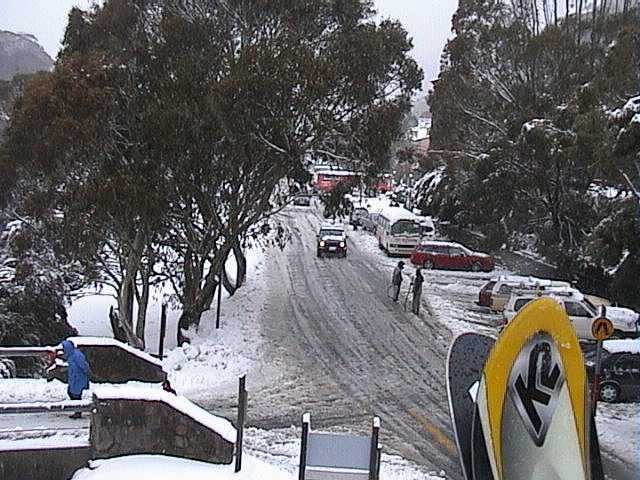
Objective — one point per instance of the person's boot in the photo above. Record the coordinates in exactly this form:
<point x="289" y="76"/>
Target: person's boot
<point x="76" y="415"/>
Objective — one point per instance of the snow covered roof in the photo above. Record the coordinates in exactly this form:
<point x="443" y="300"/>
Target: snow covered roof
<point x="622" y="346"/>
<point x="331" y="226"/>
<point x="394" y="214"/>
<point x="112" y="342"/>
<point x="338" y="173"/>
<point x="531" y="280"/>
<point x="126" y="392"/>
<point x="444" y="244"/>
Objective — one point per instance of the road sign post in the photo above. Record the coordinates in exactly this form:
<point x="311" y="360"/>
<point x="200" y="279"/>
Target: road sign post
<point x="601" y="329"/>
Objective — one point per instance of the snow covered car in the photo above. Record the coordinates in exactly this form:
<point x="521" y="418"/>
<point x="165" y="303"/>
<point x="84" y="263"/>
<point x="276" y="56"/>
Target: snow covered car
<point x="496" y="292"/>
<point x="332" y="240"/>
<point x="450" y="255"/>
<point x="620" y="370"/>
<point x="356" y="216"/>
<point x="302" y="200"/>
<point x="580" y="310"/>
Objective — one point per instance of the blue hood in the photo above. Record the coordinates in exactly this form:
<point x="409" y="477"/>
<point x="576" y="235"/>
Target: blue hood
<point x="68" y="348"/>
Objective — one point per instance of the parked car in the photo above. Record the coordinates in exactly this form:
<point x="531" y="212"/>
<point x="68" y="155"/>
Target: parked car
<point x="496" y="292"/>
<point x="370" y="222"/>
<point x="427" y="226"/>
<point x="332" y="239"/>
<point x="450" y="255"/>
<point x="302" y="200"/>
<point x="356" y="216"/>
<point x="580" y="310"/>
<point x="620" y="370"/>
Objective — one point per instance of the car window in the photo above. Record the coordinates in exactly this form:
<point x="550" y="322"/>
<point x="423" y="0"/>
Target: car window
<point x="591" y="306"/>
<point x="333" y="233"/>
<point x="628" y="363"/>
<point x="455" y="251"/>
<point x="574" y="309"/>
<point x="405" y="227"/>
<point x="521" y="302"/>
<point x="505" y="289"/>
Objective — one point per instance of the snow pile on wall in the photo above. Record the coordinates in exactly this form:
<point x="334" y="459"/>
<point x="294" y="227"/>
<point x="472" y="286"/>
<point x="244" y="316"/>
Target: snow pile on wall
<point x="111" y="342"/>
<point x="219" y="425"/>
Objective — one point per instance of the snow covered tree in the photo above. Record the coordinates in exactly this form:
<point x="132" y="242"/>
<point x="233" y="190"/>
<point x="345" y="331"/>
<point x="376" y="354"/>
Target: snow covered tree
<point x="34" y="280"/>
<point x="521" y="119"/>
<point x="167" y="125"/>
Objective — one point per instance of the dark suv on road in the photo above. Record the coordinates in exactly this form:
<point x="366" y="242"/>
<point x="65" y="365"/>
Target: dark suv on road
<point x="620" y="371"/>
<point x="332" y="239"/>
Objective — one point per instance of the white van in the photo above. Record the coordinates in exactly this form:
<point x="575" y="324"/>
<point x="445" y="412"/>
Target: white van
<point x="581" y="312"/>
<point x="398" y="231"/>
<point x="496" y="292"/>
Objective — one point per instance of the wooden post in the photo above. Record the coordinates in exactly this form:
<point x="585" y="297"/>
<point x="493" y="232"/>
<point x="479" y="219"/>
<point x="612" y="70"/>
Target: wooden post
<point x="373" y="452"/>
<point x="242" y="410"/>
<point x="219" y="294"/>
<point x="306" y="425"/>
<point x="163" y="330"/>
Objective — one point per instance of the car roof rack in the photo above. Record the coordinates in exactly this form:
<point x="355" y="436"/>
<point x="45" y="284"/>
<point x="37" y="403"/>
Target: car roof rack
<point x="548" y="290"/>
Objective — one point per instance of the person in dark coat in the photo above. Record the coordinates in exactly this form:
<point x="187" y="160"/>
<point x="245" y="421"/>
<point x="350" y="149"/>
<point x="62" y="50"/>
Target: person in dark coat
<point x="396" y="280"/>
<point x="77" y="372"/>
<point x="417" y="291"/>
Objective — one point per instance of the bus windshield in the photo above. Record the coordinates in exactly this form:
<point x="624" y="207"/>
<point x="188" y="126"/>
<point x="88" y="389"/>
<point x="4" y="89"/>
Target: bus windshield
<point x="405" y="227"/>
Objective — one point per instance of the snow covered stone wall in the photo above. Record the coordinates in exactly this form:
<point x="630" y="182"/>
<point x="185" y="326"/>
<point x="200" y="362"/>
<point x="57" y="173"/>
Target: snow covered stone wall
<point x="112" y="361"/>
<point x="140" y="420"/>
<point x="54" y="463"/>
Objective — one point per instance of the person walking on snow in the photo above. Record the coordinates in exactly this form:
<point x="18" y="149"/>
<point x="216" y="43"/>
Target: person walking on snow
<point x="396" y="280"/>
<point x="417" y="291"/>
<point x="77" y="373"/>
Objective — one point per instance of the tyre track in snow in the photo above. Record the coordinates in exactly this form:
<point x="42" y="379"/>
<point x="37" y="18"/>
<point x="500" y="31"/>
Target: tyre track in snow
<point x="337" y="321"/>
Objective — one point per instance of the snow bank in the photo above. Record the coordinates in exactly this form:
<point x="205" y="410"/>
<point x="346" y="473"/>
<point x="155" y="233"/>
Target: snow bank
<point x="618" y="426"/>
<point x="622" y="346"/>
<point x="217" y="357"/>
<point x="220" y="425"/>
<point x="158" y="467"/>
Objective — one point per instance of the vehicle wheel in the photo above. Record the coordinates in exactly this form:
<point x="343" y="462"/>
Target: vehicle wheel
<point x="609" y="392"/>
<point x="476" y="267"/>
<point x="427" y="265"/>
<point x="318" y="254"/>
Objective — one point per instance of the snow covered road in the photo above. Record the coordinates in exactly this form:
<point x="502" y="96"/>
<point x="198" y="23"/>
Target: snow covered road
<point x="356" y="353"/>
<point x="341" y="349"/>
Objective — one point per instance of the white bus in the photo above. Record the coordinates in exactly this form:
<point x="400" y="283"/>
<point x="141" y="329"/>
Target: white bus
<point x="398" y="230"/>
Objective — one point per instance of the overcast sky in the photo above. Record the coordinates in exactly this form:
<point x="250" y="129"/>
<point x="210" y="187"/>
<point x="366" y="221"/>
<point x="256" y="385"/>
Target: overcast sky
<point x="427" y="21"/>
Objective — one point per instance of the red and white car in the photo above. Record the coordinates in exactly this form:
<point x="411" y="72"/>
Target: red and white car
<point x="450" y="255"/>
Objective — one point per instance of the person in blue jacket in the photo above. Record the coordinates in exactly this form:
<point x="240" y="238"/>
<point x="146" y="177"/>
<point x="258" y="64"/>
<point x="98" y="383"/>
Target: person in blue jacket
<point x="78" y="372"/>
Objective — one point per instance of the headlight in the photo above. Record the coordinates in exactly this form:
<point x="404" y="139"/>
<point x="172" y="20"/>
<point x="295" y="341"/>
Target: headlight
<point x="322" y="243"/>
<point x="342" y="244"/>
